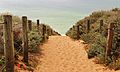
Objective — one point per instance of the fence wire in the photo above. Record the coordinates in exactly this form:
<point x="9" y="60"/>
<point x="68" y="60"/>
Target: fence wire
<point x="4" y="66"/>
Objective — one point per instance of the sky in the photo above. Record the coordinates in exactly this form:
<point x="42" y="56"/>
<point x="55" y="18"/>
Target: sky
<point x="59" y="14"/>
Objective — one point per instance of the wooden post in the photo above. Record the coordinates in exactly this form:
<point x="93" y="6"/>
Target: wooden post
<point x="25" y="39"/>
<point x="88" y="26"/>
<point x="77" y="30"/>
<point x="50" y="31"/>
<point x="9" y="45"/>
<point x="101" y="24"/>
<point x="109" y="39"/>
<point x="38" y="25"/>
<point x="47" y="30"/>
<point x="73" y="26"/>
<point x="30" y="25"/>
<point x="44" y="30"/>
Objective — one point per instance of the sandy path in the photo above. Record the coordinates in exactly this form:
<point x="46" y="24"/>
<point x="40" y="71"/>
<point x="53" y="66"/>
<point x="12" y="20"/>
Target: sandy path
<point x="61" y="54"/>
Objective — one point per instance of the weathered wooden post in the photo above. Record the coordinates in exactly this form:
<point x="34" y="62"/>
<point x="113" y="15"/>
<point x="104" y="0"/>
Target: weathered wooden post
<point x="30" y="25"/>
<point x="9" y="45"/>
<point x="47" y="30"/>
<point x="101" y="24"/>
<point x="109" y="39"/>
<point x="70" y="28"/>
<point x="50" y="31"/>
<point x="25" y="39"/>
<point x="73" y="26"/>
<point x="77" y="30"/>
<point x="47" y="33"/>
<point x="38" y="24"/>
<point x="88" y="26"/>
<point x="44" y="30"/>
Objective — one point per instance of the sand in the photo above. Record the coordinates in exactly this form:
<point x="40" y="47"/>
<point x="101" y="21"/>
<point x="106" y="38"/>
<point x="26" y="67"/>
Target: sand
<point x="61" y="54"/>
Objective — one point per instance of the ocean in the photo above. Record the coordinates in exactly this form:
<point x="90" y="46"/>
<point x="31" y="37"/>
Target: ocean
<point x="59" y="20"/>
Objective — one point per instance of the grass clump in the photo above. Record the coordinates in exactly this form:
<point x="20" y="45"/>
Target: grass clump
<point x="97" y="47"/>
<point x="34" y="39"/>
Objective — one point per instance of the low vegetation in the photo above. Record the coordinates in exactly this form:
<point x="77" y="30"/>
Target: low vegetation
<point x="35" y="38"/>
<point x="96" y="38"/>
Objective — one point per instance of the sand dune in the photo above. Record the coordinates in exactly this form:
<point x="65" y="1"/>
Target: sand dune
<point x="61" y="54"/>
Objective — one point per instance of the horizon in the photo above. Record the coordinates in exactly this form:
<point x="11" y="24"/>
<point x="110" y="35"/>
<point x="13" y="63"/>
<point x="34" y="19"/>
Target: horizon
<point x="59" y="14"/>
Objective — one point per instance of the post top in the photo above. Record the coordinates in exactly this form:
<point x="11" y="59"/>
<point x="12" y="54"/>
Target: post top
<point x="24" y="16"/>
<point x="37" y="19"/>
<point x="110" y="26"/>
<point x="88" y="19"/>
<point x="7" y="15"/>
<point x="29" y="20"/>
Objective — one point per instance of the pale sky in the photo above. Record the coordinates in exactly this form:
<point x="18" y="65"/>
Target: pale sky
<point x="78" y="5"/>
<point x="57" y="12"/>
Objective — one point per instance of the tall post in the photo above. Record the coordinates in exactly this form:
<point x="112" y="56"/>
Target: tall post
<point x="50" y="32"/>
<point x="77" y="30"/>
<point x="47" y="30"/>
<point x="101" y="24"/>
<point x="38" y="24"/>
<point x="88" y="26"/>
<point x="30" y="25"/>
<point x="9" y="45"/>
<point x="44" y="30"/>
<point x="25" y="39"/>
<point x="109" y="39"/>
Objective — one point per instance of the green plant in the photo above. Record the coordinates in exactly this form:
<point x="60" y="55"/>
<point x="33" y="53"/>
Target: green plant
<point x="34" y="40"/>
<point x="74" y="34"/>
<point x="96" y="50"/>
<point x="97" y="44"/>
<point x="97" y="36"/>
<point x="2" y="60"/>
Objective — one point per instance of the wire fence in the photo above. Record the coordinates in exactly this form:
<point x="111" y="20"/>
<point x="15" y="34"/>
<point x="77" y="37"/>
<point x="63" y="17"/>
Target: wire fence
<point x="4" y="66"/>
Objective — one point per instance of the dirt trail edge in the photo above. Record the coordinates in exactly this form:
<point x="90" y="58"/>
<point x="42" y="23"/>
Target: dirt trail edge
<point x="61" y="54"/>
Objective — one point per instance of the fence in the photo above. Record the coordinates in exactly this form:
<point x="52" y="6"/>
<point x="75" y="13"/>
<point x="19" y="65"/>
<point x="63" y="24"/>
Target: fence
<point x="109" y="37"/>
<point x="9" y="43"/>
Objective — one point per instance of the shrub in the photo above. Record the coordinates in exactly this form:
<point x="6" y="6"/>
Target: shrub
<point x="97" y="14"/>
<point x="86" y="37"/>
<point x="98" y="47"/>
<point x="34" y="40"/>
<point x="74" y="34"/>
<point x="96" y="38"/>
<point x="89" y="37"/>
<point x="115" y="9"/>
